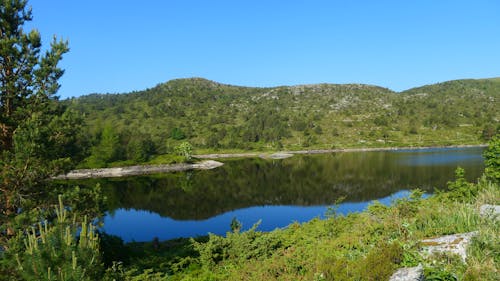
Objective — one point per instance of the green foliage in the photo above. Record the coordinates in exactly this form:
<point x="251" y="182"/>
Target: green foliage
<point x="492" y="159"/>
<point x="235" y="225"/>
<point x="381" y="121"/>
<point x="489" y="131"/>
<point x="140" y="149"/>
<point x="29" y="80"/>
<point x="236" y="246"/>
<point x="39" y="136"/>
<point x="407" y="207"/>
<point x="312" y="116"/>
<point x="87" y="201"/>
<point x="433" y="274"/>
<point x="362" y="246"/>
<point x="107" y="150"/>
<point x="113" y="250"/>
<point x="460" y="189"/>
<point x="299" y="124"/>
<point x="166" y="159"/>
<point x="117" y="273"/>
<point x="185" y="150"/>
<point x="177" y="134"/>
<point x="452" y="217"/>
<point x="483" y="258"/>
<point x="380" y="263"/>
<point x="331" y="211"/>
<point x="55" y="252"/>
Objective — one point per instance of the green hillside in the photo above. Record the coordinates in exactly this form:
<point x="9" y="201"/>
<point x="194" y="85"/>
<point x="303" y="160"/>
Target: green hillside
<point x="214" y="116"/>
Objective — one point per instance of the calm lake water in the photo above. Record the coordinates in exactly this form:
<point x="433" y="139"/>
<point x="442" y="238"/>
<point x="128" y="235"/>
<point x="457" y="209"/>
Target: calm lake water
<point x="277" y="192"/>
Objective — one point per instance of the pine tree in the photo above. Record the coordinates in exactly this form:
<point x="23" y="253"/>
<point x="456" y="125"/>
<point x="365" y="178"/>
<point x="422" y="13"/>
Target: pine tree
<point x="28" y="80"/>
<point x="492" y="159"/>
<point x="37" y="134"/>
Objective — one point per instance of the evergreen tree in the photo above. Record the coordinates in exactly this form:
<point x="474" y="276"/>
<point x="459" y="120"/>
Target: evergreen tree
<point x="492" y="159"/>
<point x="107" y="150"/>
<point x="37" y="134"/>
<point x="28" y="80"/>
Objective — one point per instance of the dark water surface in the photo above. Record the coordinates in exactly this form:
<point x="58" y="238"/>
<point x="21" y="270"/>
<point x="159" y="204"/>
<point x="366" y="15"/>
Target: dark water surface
<point x="278" y="192"/>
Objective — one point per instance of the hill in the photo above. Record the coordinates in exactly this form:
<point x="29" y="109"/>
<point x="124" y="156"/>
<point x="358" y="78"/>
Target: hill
<point x="214" y="116"/>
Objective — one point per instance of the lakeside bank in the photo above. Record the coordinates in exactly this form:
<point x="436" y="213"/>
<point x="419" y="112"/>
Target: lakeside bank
<point x="138" y="170"/>
<point x="208" y="164"/>
<point x="289" y="153"/>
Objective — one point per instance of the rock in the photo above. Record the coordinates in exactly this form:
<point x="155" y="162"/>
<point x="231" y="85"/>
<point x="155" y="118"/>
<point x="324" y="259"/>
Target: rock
<point x="456" y="244"/>
<point x="207" y="165"/>
<point x="138" y="170"/>
<point x="280" y="155"/>
<point x="408" y="274"/>
<point x="490" y="211"/>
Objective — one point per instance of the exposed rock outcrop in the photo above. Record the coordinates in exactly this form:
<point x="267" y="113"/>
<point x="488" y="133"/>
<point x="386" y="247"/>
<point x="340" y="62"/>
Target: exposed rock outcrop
<point x="408" y="274"/>
<point x="490" y="211"/>
<point x="279" y="155"/>
<point x="455" y="244"/>
<point x="138" y="170"/>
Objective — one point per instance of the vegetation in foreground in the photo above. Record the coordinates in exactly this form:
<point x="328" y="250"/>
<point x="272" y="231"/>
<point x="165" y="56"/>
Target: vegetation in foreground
<point x="361" y="246"/>
<point x="369" y="245"/>
<point x="364" y="246"/>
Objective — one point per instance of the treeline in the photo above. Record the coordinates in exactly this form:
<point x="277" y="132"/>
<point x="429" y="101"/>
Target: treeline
<point x="139" y="125"/>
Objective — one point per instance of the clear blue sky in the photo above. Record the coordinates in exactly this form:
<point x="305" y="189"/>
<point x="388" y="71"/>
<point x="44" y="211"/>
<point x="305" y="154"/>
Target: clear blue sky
<point x="121" y="46"/>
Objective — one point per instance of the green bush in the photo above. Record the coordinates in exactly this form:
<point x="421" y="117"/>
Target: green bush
<point x="177" y="134"/>
<point x="461" y="190"/>
<point x="237" y="247"/>
<point x="185" y="150"/>
<point x="63" y="251"/>
<point x="492" y="159"/>
<point x="380" y="262"/>
<point x="118" y="273"/>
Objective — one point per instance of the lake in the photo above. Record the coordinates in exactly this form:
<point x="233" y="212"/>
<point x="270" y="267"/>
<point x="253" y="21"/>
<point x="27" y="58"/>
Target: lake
<point x="276" y="192"/>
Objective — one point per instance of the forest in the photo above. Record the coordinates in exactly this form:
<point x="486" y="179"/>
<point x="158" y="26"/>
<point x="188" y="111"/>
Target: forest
<point x="137" y="127"/>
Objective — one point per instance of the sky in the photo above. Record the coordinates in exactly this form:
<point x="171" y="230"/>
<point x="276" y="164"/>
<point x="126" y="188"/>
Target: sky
<point x="122" y="46"/>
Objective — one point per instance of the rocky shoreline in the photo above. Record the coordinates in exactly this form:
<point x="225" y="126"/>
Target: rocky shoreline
<point x="138" y="170"/>
<point x="211" y="164"/>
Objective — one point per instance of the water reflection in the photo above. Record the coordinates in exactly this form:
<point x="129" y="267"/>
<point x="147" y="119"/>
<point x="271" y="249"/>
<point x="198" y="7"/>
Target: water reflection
<point x="440" y="156"/>
<point x="276" y="191"/>
<point x="147" y="225"/>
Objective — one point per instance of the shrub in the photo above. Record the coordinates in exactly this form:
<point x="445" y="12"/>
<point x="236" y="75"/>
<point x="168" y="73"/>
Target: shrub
<point x="185" y="150"/>
<point x="177" y="134"/>
<point x="492" y="159"/>
<point x="460" y="189"/>
<point x="380" y="262"/>
<point x="408" y="206"/>
<point x="237" y="247"/>
<point x="54" y="252"/>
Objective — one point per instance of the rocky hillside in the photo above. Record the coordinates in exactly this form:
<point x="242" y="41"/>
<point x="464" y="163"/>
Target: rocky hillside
<point x="216" y="116"/>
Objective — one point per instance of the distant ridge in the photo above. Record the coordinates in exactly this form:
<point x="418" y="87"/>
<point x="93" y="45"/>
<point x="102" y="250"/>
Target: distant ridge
<point x="213" y="116"/>
<point x="312" y="85"/>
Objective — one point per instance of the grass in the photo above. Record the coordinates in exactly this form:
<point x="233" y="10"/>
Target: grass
<point x="165" y="159"/>
<point x="361" y="246"/>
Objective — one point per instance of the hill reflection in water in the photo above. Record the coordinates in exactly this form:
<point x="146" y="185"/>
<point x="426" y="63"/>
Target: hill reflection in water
<point x="139" y="225"/>
<point x="276" y="191"/>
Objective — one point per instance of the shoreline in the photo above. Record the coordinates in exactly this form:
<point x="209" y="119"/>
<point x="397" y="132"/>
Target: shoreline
<point x="137" y="170"/>
<point x="289" y="153"/>
<point x="207" y="163"/>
